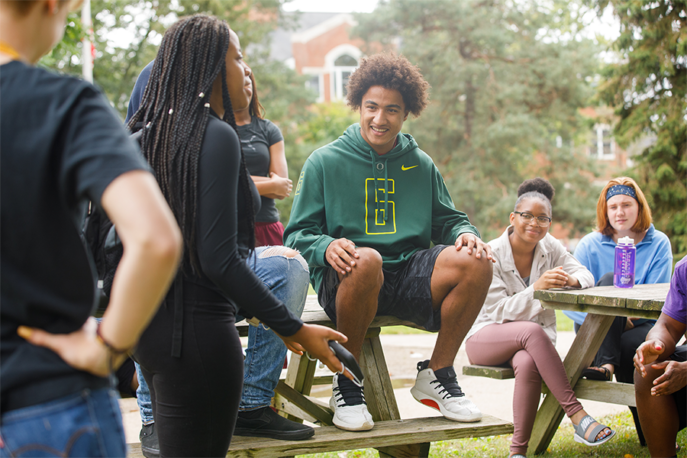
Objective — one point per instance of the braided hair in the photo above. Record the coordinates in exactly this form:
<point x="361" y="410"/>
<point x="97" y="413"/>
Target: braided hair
<point x="174" y="112"/>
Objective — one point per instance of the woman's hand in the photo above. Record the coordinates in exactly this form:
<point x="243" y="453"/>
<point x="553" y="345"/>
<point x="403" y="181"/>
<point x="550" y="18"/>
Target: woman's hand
<point x="647" y="353"/>
<point x="554" y="278"/>
<point x="281" y="187"/>
<point x="81" y="349"/>
<point x="674" y="377"/>
<point x="315" y="340"/>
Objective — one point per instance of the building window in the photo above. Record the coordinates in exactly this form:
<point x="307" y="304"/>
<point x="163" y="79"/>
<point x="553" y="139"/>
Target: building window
<point x="314" y="84"/>
<point x="603" y="146"/>
<point x="344" y="66"/>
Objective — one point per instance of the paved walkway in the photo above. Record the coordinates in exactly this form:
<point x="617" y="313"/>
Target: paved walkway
<point x="493" y="397"/>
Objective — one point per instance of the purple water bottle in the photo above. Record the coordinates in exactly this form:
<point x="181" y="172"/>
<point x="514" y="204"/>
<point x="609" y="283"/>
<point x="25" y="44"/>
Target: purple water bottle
<point x="624" y="272"/>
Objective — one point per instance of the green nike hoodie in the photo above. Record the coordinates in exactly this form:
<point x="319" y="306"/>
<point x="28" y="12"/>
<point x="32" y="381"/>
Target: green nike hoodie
<point x="396" y="203"/>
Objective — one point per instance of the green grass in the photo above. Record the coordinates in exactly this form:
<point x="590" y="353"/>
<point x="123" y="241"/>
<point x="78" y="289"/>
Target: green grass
<point x="624" y="445"/>
<point x="563" y="323"/>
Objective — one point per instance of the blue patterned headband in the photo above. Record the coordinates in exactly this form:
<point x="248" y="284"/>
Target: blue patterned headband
<point x="620" y="189"/>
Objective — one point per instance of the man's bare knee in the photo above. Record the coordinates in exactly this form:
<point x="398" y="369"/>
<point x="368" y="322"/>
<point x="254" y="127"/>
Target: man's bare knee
<point x="370" y="260"/>
<point x="467" y="265"/>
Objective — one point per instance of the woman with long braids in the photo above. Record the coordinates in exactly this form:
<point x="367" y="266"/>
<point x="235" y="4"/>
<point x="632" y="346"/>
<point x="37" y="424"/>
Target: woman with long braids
<point x="191" y="354"/>
<point x="263" y="146"/>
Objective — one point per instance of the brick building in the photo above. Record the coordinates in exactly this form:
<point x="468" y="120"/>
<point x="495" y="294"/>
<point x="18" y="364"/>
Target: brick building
<point x="321" y="47"/>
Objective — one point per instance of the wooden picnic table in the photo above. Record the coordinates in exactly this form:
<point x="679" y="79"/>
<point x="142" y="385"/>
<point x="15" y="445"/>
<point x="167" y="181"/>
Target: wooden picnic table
<point x="391" y="436"/>
<point x="603" y="303"/>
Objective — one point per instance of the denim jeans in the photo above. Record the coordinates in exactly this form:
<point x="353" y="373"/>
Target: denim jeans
<point x="82" y="424"/>
<point x="287" y="278"/>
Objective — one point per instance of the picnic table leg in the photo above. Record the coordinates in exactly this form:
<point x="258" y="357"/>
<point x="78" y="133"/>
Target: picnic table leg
<point x="299" y="376"/>
<point x="379" y="394"/>
<point x="579" y="357"/>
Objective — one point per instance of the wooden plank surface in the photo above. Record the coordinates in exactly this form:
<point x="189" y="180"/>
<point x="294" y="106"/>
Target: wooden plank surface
<point x="641" y="297"/>
<point x="385" y="434"/>
<point x="603" y="310"/>
<point x="495" y="372"/>
<point x="611" y="392"/>
<point x="645" y="301"/>
<point x="313" y="314"/>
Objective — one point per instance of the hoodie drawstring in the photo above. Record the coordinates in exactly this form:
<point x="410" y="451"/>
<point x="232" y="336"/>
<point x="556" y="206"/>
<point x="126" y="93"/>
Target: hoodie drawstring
<point x="386" y="185"/>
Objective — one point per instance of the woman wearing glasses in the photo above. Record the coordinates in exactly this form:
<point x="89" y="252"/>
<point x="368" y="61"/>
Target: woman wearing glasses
<point x="513" y="328"/>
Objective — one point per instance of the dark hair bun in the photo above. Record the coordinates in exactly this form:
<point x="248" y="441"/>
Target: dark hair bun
<point x="539" y="185"/>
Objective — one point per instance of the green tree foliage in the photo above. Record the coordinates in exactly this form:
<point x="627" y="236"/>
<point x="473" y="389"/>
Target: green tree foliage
<point x="508" y="79"/>
<point x="648" y="87"/>
<point x="65" y="54"/>
<point x="319" y="125"/>
<point x="126" y="34"/>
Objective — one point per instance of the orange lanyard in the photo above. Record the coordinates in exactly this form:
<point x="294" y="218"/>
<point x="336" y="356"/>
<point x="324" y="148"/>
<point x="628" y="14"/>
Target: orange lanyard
<point x="10" y="51"/>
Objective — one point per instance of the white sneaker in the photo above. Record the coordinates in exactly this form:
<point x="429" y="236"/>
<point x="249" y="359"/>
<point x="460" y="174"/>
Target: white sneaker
<point x="348" y="404"/>
<point x="446" y="397"/>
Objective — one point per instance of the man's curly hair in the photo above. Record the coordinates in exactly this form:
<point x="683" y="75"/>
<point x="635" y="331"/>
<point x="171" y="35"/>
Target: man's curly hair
<point x="391" y="72"/>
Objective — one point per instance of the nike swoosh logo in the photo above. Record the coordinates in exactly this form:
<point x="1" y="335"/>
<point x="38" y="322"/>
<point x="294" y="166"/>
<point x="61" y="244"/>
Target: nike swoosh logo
<point x="404" y="168"/>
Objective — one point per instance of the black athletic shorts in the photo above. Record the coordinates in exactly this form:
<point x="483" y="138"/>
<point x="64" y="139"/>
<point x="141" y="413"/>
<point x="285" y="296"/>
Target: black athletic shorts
<point x="405" y="294"/>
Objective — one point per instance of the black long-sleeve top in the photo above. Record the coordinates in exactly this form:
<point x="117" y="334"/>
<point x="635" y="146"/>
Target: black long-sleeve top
<point x="221" y="252"/>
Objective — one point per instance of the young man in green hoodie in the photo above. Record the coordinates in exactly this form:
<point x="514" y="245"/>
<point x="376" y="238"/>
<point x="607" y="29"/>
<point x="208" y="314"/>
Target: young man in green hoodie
<point x="366" y="209"/>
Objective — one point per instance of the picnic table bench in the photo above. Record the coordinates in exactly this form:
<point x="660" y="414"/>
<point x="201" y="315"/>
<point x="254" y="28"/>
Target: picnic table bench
<point x="391" y="436"/>
<point x="603" y="303"/>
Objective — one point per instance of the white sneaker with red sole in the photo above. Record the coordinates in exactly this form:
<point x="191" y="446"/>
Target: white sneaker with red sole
<point x="444" y="396"/>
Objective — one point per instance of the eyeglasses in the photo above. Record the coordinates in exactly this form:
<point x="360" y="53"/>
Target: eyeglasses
<point x="542" y="221"/>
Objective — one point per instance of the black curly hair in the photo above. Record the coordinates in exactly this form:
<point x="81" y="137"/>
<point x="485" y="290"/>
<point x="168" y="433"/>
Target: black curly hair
<point x="539" y="188"/>
<point x="391" y="72"/>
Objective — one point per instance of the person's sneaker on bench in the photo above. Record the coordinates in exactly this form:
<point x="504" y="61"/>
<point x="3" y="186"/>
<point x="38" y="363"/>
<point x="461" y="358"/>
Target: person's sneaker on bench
<point x="440" y="390"/>
<point x="265" y="422"/>
<point x="349" y="406"/>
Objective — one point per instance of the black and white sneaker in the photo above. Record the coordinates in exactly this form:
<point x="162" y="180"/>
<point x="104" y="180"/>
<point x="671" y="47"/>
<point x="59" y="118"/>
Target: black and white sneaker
<point x="441" y="391"/>
<point x="348" y="404"/>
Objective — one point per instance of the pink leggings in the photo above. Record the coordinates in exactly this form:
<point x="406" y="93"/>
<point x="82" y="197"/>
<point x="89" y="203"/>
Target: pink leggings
<point x="526" y="347"/>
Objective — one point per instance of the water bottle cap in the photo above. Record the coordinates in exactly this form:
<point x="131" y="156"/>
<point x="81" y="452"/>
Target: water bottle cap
<point x="626" y="241"/>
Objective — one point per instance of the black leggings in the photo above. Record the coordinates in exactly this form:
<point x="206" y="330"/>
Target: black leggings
<point x="195" y="397"/>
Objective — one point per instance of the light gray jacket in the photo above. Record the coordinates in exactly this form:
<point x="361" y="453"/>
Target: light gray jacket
<point x="510" y="299"/>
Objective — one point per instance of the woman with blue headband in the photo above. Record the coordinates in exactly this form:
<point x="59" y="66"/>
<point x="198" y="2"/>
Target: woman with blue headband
<point x="622" y="211"/>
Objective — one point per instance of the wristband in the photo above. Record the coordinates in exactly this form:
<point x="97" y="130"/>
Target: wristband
<point x="112" y="350"/>
<point x="107" y="345"/>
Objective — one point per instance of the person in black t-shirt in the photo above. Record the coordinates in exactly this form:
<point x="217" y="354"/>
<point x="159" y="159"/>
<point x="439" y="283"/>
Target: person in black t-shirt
<point x="61" y="146"/>
<point x="263" y="146"/>
<point x="190" y="354"/>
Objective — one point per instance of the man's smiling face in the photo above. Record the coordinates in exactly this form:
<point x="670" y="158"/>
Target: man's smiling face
<point x="382" y="113"/>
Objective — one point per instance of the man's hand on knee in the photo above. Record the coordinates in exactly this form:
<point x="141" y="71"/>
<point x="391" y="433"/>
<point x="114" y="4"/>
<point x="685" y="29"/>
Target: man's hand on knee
<point x="473" y="243"/>
<point x="341" y="255"/>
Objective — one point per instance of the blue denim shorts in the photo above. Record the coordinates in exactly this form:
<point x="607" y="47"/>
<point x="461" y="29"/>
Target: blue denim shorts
<point x="406" y="293"/>
<point x="84" y="424"/>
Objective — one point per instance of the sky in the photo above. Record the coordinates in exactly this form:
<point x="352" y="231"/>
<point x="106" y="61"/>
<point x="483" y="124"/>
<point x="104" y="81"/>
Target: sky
<point x="332" y="6"/>
<point x="606" y="26"/>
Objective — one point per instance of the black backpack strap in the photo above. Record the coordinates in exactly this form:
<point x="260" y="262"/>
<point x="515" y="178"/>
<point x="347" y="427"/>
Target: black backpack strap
<point x="178" y="325"/>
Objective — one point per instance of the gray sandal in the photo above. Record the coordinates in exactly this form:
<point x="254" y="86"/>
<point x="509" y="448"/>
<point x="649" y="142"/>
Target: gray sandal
<point x="582" y="428"/>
